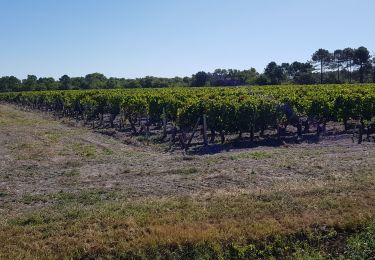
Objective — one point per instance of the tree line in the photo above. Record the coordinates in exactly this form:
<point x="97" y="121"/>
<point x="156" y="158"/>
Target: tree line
<point x="340" y="66"/>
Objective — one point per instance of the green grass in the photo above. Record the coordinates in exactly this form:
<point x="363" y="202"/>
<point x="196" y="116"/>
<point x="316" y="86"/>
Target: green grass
<point x="35" y="150"/>
<point x="362" y="245"/>
<point x="84" y="198"/>
<point x="53" y="137"/>
<point x="84" y="150"/>
<point x="108" y="151"/>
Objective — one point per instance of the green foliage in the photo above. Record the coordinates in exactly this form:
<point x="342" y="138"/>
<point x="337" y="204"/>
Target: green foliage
<point x="362" y="245"/>
<point x="228" y="110"/>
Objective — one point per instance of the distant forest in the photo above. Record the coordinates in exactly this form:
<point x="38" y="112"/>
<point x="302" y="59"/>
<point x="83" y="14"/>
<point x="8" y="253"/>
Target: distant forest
<point x="341" y="66"/>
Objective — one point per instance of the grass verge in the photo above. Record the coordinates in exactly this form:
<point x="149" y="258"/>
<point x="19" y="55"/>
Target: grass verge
<point x="326" y="221"/>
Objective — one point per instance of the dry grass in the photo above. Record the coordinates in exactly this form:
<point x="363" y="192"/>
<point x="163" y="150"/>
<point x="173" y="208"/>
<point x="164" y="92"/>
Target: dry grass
<point x="89" y="224"/>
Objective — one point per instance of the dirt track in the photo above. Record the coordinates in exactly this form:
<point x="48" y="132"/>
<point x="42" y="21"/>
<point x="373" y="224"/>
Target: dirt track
<point x="42" y="161"/>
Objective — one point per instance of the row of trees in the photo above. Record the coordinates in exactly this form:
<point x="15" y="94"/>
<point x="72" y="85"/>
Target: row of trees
<point x="341" y="66"/>
<point x="90" y="81"/>
<point x="345" y="59"/>
<point x="219" y="77"/>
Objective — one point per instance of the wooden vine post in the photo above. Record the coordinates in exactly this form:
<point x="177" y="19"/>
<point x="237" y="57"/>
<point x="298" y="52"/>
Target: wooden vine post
<point x="148" y="130"/>
<point x="193" y="133"/>
<point x="205" y="140"/>
<point x="164" y="123"/>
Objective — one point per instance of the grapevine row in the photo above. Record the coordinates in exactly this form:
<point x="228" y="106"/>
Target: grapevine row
<point x="227" y="110"/>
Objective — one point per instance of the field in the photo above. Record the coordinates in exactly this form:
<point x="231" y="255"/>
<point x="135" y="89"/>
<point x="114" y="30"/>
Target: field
<point x="76" y="182"/>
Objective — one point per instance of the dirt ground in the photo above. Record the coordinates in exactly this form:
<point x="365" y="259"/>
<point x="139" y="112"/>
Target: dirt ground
<point x="43" y="160"/>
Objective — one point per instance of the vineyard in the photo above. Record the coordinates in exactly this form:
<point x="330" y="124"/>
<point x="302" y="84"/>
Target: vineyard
<point x="177" y="114"/>
<point x="78" y="181"/>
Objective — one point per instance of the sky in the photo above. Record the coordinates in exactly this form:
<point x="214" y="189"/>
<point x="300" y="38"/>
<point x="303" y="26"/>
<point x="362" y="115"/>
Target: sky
<point x="167" y="38"/>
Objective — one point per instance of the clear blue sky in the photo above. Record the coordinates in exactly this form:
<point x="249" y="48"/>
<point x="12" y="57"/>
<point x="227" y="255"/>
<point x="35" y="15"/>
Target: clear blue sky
<point x="135" y="38"/>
